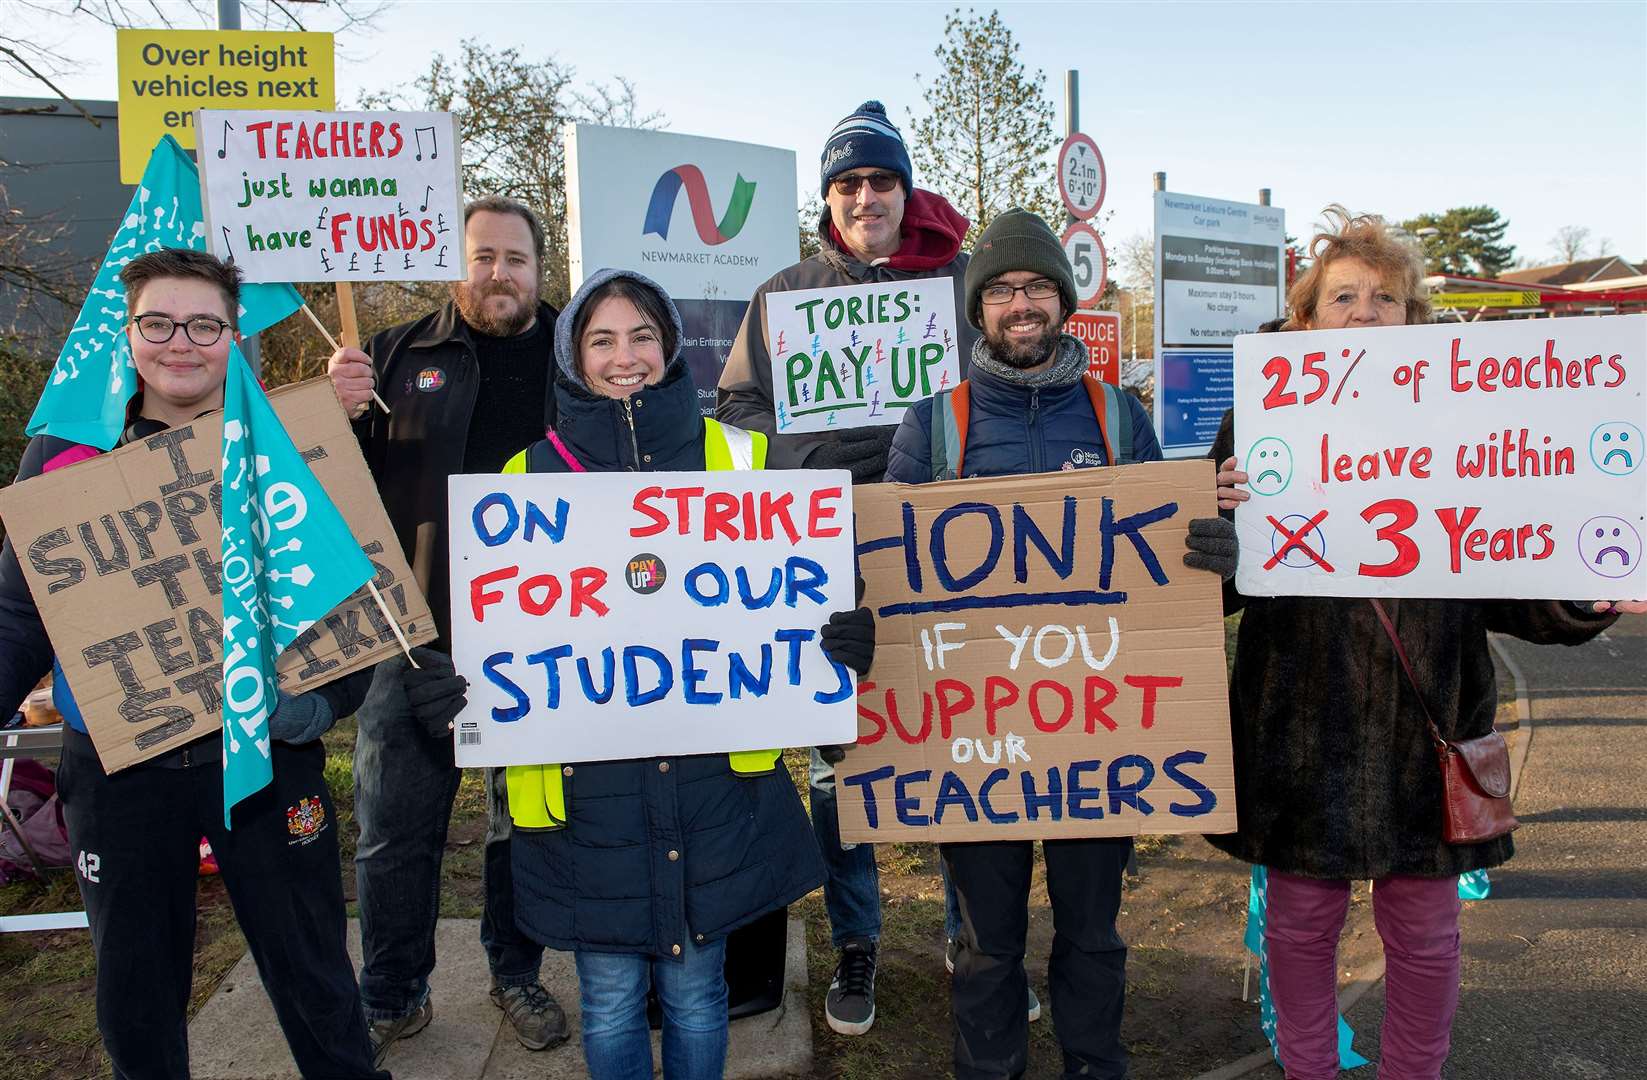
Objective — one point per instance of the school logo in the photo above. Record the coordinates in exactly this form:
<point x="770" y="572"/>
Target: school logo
<point x="305" y="820"/>
<point x="430" y="379"/>
<point x="645" y="573"/>
<point x="661" y="210"/>
<point x="1079" y="457"/>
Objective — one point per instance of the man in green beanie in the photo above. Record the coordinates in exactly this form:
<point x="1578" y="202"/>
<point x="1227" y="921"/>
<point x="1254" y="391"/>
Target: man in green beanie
<point x="1031" y="410"/>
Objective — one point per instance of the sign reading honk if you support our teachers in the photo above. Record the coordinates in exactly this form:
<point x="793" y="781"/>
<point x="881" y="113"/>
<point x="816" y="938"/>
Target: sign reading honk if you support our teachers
<point x="859" y="356"/>
<point x="1477" y="460"/>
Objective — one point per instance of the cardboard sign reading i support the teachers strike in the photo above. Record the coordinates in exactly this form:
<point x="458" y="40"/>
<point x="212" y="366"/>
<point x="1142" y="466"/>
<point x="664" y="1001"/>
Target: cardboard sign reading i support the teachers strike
<point x="1499" y="459"/>
<point x="859" y="355"/>
<point x="336" y="196"/>
<point x="1046" y="666"/>
<point x="123" y="553"/>
<point x="625" y="615"/>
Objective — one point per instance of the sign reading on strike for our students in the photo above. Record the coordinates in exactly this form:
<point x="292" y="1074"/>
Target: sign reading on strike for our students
<point x="638" y="615"/>
<point x="1499" y="459"/>
<point x="165" y="75"/>
<point x="859" y="355"/>
<point x="1045" y="664"/>
<point x="349" y="196"/>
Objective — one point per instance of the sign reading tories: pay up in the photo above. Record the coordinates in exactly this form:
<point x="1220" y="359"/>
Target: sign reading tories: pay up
<point x="859" y="355"/>
<point x="625" y="615"/>
<point x="1498" y="459"/>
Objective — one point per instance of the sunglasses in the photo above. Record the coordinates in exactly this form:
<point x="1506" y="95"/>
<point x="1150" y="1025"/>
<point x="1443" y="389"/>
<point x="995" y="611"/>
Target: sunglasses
<point x="880" y="181"/>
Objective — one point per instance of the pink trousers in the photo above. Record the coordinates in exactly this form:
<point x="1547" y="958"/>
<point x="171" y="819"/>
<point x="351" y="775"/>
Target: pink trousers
<point x="1417" y="918"/>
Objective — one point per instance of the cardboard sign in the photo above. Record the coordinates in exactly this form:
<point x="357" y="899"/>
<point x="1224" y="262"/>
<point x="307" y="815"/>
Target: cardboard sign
<point x="121" y="552"/>
<point x="1499" y="459"/>
<point x="347" y="196"/>
<point x="859" y="355"/>
<point x="1045" y="664"/>
<point x="622" y="615"/>
<point x="166" y="75"/>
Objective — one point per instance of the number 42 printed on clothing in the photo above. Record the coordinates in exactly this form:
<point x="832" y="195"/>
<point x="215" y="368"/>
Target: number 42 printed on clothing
<point x="89" y="863"/>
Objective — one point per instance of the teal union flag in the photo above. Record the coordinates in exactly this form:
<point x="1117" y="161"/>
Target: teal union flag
<point x="85" y="397"/>
<point x="288" y="559"/>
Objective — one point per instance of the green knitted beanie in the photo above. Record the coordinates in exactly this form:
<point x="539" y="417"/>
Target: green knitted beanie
<point x="1016" y="240"/>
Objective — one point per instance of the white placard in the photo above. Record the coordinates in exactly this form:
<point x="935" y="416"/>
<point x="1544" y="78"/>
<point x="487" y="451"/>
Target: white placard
<point x="1499" y="459"/>
<point x="624" y="615"/>
<point x="338" y="196"/>
<point x="859" y="355"/>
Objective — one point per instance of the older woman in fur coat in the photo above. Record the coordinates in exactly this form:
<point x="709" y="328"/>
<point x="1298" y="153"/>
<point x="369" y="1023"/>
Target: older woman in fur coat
<point x="1336" y="776"/>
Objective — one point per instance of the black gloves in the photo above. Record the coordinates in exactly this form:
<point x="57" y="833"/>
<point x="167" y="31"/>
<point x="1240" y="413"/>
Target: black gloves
<point x="848" y="638"/>
<point x="861" y="450"/>
<point x="1212" y="546"/>
<point x="434" y="690"/>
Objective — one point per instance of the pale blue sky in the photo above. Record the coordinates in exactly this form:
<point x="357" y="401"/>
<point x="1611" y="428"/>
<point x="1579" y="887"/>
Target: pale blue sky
<point x="1537" y="109"/>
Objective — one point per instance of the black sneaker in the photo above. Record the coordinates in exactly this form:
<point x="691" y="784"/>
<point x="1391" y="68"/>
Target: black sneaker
<point x="536" y="1016"/>
<point x="949" y="964"/>
<point x="850" y="1005"/>
<point x="384" y="1032"/>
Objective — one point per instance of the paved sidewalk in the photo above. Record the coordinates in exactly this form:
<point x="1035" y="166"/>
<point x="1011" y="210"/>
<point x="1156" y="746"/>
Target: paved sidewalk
<point x="235" y="1036"/>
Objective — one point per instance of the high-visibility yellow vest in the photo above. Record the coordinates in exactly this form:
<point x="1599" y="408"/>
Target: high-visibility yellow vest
<point x="537" y="793"/>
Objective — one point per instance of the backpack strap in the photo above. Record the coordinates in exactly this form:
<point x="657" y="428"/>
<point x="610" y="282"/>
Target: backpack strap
<point x="1114" y="417"/>
<point x="950" y="412"/>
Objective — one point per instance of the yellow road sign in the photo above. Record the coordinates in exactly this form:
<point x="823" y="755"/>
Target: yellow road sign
<point x="1484" y="299"/>
<point x="165" y="75"/>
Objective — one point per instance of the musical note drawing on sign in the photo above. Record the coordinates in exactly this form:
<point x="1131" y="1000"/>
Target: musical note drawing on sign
<point x="428" y="190"/>
<point x="223" y="149"/>
<point x="228" y="251"/>
<point x="434" y="147"/>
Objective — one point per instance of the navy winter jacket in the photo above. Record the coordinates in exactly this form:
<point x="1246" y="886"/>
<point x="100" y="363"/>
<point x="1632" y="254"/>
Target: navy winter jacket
<point x="655" y="849"/>
<point x="1013" y="429"/>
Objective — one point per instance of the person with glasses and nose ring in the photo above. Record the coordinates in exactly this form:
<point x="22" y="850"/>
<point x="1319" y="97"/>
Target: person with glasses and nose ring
<point x="876" y="226"/>
<point x="136" y="833"/>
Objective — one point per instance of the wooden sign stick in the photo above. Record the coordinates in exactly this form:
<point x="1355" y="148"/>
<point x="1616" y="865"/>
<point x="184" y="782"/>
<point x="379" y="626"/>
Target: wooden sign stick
<point x="400" y="636"/>
<point x="350" y="328"/>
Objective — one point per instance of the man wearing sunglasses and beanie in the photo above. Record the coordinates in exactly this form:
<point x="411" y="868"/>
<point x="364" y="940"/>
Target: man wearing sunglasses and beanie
<point x="877" y="226"/>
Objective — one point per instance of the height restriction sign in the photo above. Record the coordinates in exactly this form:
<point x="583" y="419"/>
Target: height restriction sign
<point x="1081" y="179"/>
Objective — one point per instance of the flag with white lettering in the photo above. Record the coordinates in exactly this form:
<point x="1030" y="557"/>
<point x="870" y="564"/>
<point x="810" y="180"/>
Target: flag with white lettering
<point x="85" y="397"/>
<point x="288" y="560"/>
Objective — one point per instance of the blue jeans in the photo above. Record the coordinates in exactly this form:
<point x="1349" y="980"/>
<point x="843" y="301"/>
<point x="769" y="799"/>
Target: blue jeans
<point x="852" y="890"/>
<point x="404" y="786"/>
<point x="617" y="1044"/>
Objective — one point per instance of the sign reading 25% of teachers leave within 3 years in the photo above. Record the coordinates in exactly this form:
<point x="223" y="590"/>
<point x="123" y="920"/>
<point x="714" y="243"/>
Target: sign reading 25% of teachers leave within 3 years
<point x="859" y="355"/>
<point x="1498" y="459"/>
<point x="624" y="615"/>
<point x="344" y="196"/>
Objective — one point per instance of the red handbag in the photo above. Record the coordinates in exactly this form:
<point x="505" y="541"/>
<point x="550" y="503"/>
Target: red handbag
<point x="1475" y="773"/>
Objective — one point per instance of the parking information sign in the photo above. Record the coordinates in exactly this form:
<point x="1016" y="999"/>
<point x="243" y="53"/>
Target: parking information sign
<point x="1218" y="273"/>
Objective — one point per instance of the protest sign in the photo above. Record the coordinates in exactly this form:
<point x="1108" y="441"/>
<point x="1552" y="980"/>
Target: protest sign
<point x="1499" y="459"/>
<point x="1045" y="664"/>
<point x="859" y="355"/>
<point x="165" y="75"/>
<point x="337" y="196"/>
<point x="622" y="615"/>
<point x="122" y="554"/>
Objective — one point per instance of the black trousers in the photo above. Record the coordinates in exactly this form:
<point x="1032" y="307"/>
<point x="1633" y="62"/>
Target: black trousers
<point x="136" y="840"/>
<point x="1087" y="971"/>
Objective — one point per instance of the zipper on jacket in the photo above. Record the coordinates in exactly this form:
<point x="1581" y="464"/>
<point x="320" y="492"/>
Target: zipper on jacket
<point x="634" y="442"/>
<point x="1034" y="423"/>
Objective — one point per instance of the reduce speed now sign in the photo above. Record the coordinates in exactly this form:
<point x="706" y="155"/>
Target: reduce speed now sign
<point x="1085" y="252"/>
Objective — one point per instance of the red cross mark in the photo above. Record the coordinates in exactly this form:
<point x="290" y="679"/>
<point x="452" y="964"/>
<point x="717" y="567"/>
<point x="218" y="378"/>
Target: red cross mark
<point x="1296" y="540"/>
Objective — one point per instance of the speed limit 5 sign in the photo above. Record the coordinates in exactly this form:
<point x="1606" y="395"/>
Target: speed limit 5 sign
<point x="1085" y="252"/>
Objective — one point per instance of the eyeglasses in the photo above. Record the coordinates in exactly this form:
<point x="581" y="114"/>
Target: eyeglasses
<point x="882" y="182"/>
<point x="1035" y="290"/>
<point x="203" y="330"/>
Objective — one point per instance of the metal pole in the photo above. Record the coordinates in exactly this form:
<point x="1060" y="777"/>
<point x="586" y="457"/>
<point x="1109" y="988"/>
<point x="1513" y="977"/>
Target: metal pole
<point x="228" y="18"/>
<point x="1263" y="196"/>
<point x="1072" y="117"/>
